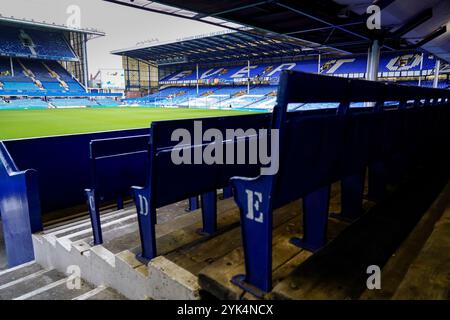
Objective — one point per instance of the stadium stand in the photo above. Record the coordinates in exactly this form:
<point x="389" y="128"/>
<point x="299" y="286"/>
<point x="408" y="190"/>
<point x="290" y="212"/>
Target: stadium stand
<point x="211" y="97"/>
<point x="18" y="104"/>
<point x="36" y="77"/>
<point x="391" y="64"/>
<point x="39" y="77"/>
<point x="37" y="103"/>
<point x="31" y="62"/>
<point x="226" y="87"/>
<point x="29" y="43"/>
<point x="261" y="97"/>
<point x="73" y="102"/>
<point x="106" y="102"/>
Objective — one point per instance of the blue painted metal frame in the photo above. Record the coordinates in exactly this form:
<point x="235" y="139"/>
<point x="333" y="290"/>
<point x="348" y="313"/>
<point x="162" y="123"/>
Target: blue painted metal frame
<point x="227" y="192"/>
<point x="193" y="204"/>
<point x="20" y="209"/>
<point x="116" y="165"/>
<point x="321" y="147"/>
<point x="209" y="210"/>
<point x="315" y="216"/>
<point x="168" y="183"/>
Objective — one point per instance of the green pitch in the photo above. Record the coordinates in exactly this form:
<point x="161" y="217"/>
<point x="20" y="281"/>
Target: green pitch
<point x="39" y="123"/>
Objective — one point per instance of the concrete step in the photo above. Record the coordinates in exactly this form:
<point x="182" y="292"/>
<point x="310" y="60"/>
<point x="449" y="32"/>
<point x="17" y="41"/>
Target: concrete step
<point x="109" y="217"/>
<point x="24" y="285"/>
<point x="114" y="225"/>
<point x="32" y="282"/>
<point x="115" y="265"/>
<point x="102" y="293"/>
<point x="24" y="270"/>
<point x="84" y="226"/>
<point x="119" y="228"/>
<point x="57" y="290"/>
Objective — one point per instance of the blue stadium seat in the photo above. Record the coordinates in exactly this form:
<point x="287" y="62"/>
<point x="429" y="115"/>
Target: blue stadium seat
<point x="43" y="45"/>
<point x="320" y="147"/>
<point x="159" y="189"/>
<point x="18" y="104"/>
<point x="391" y="65"/>
<point x="73" y="102"/>
<point x="51" y="76"/>
<point x="107" y="102"/>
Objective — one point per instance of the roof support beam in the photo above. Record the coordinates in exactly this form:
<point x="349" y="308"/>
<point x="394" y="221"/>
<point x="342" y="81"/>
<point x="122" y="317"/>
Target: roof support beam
<point x="310" y="16"/>
<point x="172" y="14"/>
<point x="383" y="3"/>
<point x="419" y="19"/>
<point x="323" y="28"/>
<point x="435" y="34"/>
<point x="256" y="4"/>
<point x="294" y="8"/>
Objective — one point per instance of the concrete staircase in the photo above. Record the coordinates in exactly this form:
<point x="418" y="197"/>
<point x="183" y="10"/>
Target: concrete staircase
<point x="107" y="272"/>
<point x="114" y="263"/>
<point x="31" y="281"/>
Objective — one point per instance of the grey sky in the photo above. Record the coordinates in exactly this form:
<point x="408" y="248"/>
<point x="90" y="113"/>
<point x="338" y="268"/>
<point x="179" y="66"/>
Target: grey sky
<point x="124" y="27"/>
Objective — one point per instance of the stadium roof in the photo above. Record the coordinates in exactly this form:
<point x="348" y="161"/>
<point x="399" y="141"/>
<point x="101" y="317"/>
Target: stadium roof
<point x="12" y="21"/>
<point x="221" y="46"/>
<point x="340" y="24"/>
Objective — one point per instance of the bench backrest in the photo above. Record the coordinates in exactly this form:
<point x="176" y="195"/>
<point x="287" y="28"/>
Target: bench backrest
<point x="317" y="149"/>
<point x="117" y="164"/>
<point x="170" y="182"/>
